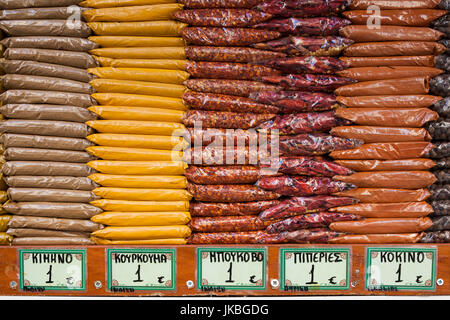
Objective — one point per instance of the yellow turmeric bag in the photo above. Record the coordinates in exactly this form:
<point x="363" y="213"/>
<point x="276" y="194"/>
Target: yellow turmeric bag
<point x="139" y="141"/>
<point x="120" y="3"/>
<point x="138" y="87"/>
<point x="139" y="167"/>
<point x="128" y="181"/>
<point x="137" y="127"/>
<point x="137" y="113"/>
<point x="142" y="194"/>
<point x="140" y="206"/>
<point x="133" y="13"/>
<point x="143" y="233"/>
<point x="4" y="219"/>
<point x="124" y="99"/>
<point x="5" y="238"/>
<point x="119" y="41"/>
<point x="134" y="154"/>
<point x="3" y="196"/>
<point x="166" y="28"/>
<point x="171" y="64"/>
<point x="142" y="218"/>
<point x="141" y="74"/>
<point x="140" y="53"/>
<point x="173" y="241"/>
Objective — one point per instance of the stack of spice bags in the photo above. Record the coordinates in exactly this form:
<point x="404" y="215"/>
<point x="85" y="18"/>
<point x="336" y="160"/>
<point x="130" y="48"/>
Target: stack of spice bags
<point x="236" y="88"/>
<point x="45" y="101"/>
<point x="138" y="88"/>
<point x="393" y="63"/>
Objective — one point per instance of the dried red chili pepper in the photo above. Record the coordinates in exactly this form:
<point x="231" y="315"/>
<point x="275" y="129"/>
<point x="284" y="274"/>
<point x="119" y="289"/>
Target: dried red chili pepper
<point x="307" y="221"/>
<point x="227" y="224"/>
<point x="315" y="235"/>
<point x="214" y="155"/>
<point x="307" y="46"/>
<point x="303" y="122"/>
<point x="230" y="193"/>
<point x="215" y="209"/>
<point x="302" y="8"/>
<point x="248" y="237"/>
<point x="296" y="101"/>
<point x="301" y="205"/>
<point x="302" y="186"/>
<point x="322" y="26"/>
<point x="228" y="70"/>
<point x="315" y="144"/>
<point x="241" y="88"/>
<point x="225" y="174"/>
<point x="308" y="64"/>
<point x="225" y="120"/>
<point x="230" y="54"/>
<point x="221" y="17"/>
<point x="232" y="137"/>
<point x="311" y="82"/>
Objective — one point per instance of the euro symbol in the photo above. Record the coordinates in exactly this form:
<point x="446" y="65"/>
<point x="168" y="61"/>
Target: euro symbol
<point x="160" y="279"/>
<point x="331" y="280"/>
<point x="418" y="279"/>
<point x="252" y="279"/>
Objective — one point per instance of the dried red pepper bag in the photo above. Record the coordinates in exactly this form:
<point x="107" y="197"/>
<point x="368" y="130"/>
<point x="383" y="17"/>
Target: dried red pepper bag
<point x="377" y="238"/>
<point x="315" y="235"/>
<point x="390" y="179"/>
<point x="382" y="195"/>
<point x="387" y="165"/>
<point x="300" y="205"/>
<point x="380" y="225"/>
<point x="222" y="137"/>
<point x="200" y="4"/>
<point x="308" y="64"/>
<point x="390" y="101"/>
<point x="322" y="26"/>
<point x="241" y="88"/>
<point x="225" y="120"/>
<point x="392" y="210"/>
<point x="302" y="186"/>
<point x="388" y="117"/>
<point x="230" y="193"/>
<point x="221" y="17"/>
<point x="230" y="54"/>
<point x="299" y="8"/>
<point x="307" y="166"/>
<point x="371" y="134"/>
<point x="424" y="61"/>
<point x="393" y="72"/>
<point x="385" y="151"/>
<point x="217" y="209"/>
<point x="228" y="70"/>
<point x="307" y="46"/>
<point x="213" y="36"/>
<point x="296" y="101"/>
<point x="394" y="48"/>
<point x="398" y="4"/>
<point x="315" y="144"/>
<point x="226" y="174"/>
<point x="227" y="224"/>
<point x="307" y="221"/>
<point x="396" y="17"/>
<point x="248" y="237"/>
<point x="303" y="123"/>
<point x="311" y="82"/>
<point x="225" y="103"/>
<point x="365" y="33"/>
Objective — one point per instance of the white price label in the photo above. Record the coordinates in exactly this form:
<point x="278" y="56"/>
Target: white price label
<point x="220" y="269"/>
<point x="314" y="269"/>
<point x="52" y="269"/>
<point x="140" y="269"/>
<point x="392" y="269"/>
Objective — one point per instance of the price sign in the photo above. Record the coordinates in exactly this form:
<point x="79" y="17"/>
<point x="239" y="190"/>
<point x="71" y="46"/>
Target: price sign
<point x="314" y="269"/>
<point x="219" y="269"/>
<point x="392" y="269"/>
<point x="140" y="269"/>
<point x="52" y="269"/>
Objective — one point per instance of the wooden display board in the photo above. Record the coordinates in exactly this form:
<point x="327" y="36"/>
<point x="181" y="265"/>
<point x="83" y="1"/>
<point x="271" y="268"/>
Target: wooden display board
<point x="239" y="270"/>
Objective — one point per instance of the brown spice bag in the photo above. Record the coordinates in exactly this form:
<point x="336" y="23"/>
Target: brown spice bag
<point x="382" y="195"/>
<point x="51" y="182"/>
<point x="29" y="82"/>
<point x="390" y="179"/>
<point x="377" y="238"/>
<point x="28" y="232"/>
<point x="43" y="168"/>
<point x="396" y="17"/>
<point x="415" y="85"/>
<point x="37" y="154"/>
<point x="394" y="48"/>
<point x="397" y="4"/>
<point x="51" y="241"/>
<point x="370" y="134"/>
<point x="424" y="61"/>
<point x="398" y="117"/>
<point x="50" y="42"/>
<point x="383" y="73"/>
<point x="52" y="209"/>
<point x="390" y="33"/>
<point x="51" y="195"/>
<point x="44" y="142"/>
<point x="385" y="151"/>
<point x="389" y="101"/>
<point x="82" y="100"/>
<point x="387" y="165"/>
<point x="380" y="225"/>
<point x="54" y="224"/>
<point x="394" y="209"/>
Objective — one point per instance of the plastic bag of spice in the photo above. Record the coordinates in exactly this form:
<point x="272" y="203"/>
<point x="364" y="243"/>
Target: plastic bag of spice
<point x="44" y="142"/>
<point x="221" y="17"/>
<point x="306" y="46"/>
<point x="200" y="4"/>
<point x="131" y="194"/>
<point x="377" y="238"/>
<point x="132" y="42"/>
<point x="138" y="87"/>
<point x="321" y="26"/>
<point x="133" y="154"/>
<point x="50" y="195"/>
<point x="436" y="237"/>
<point x="140" y="53"/>
<point x="386" y="210"/>
<point x="50" y="42"/>
<point x="302" y="205"/>
<point x="140" y="206"/>
<point x="446" y="43"/>
<point x="139" y="167"/>
<point x="136" y="127"/>
<point x="224" y="174"/>
<point x="139" y="181"/>
<point x="443" y="62"/>
<point x="380" y="225"/>
<point x="227" y="224"/>
<point x="148" y="242"/>
<point x="29" y="82"/>
<point x="443" y="163"/>
<point x="391" y="101"/>
<point x="308" y="64"/>
<point x="51" y="13"/>
<point x="14" y="4"/>
<point x="163" y="28"/>
<point x="442" y="176"/>
<point x="142" y="218"/>
<point x="36" y="154"/>
<point x="312" y="8"/>
<point x="33" y="233"/>
<point x="137" y="141"/>
<point x="229" y="70"/>
<point x="47" y="112"/>
<point x="383" y="4"/>
<point x="394" y="72"/>
<point x="135" y="100"/>
<point x="211" y="209"/>
<point x="52" y="182"/>
<point x="45" y="127"/>
<point x="370" y="134"/>
<point x="363" y="33"/>
<point x="122" y="3"/>
<point x="440" y="223"/>
<point x="387" y="165"/>
<point x="390" y="179"/>
<point x="4" y="219"/>
<point x="440" y="85"/>
<point x="439" y="130"/>
<point x="230" y="54"/>
<point x="439" y="150"/>
<point x="248" y="237"/>
<point x="143" y="232"/>
<point x="51" y="241"/>
<point x="397" y="17"/>
<point x="382" y="195"/>
<point x="171" y="64"/>
<point x="54" y="224"/>
<point x="241" y="88"/>
<point x="44" y="168"/>
<point x="309" y="82"/>
<point x="141" y="74"/>
<point x="230" y="193"/>
<point x="137" y="113"/>
<point x="424" y="61"/>
<point x="45" y="27"/>
<point x="394" y="48"/>
<point x="439" y="192"/>
<point x="46" y="97"/>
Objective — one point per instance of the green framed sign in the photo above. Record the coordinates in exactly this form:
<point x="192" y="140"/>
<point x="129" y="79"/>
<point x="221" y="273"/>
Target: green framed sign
<point x="220" y="269"/>
<point x="395" y="268"/>
<point x="140" y="269"/>
<point x="52" y="269"/>
<point x="304" y="269"/>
